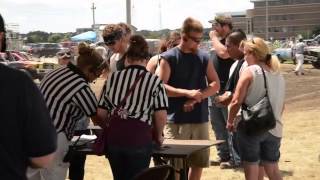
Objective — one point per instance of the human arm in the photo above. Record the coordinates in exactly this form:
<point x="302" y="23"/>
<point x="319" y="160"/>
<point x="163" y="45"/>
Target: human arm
<point x="41" y="162"/>
<point x="220" y="49"/>
<point x="152" y="64"/>
<point x="100" y="118"/>
<point x="213" y="87"/>
<point x="164" y="74"/>
<point x="239" y="96"/>
<point x="160" y="119"/>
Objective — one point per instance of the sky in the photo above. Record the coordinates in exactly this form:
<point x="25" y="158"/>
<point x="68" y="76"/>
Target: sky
<point x="67" y="15"/>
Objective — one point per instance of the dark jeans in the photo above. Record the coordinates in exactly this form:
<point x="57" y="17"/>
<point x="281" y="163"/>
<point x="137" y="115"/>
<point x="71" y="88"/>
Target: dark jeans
<point x="218" y="117"/>
<point x="226" y="151"/>
<point x="77" y="162"/>
<point x="127" y="162"/>
<point x="76" y="169"/>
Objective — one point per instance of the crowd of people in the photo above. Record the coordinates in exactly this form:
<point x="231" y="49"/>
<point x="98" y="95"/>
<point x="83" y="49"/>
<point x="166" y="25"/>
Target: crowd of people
<point x="143" y="101"/>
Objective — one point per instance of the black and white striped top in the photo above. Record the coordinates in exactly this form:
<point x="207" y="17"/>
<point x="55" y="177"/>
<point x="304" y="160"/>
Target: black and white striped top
<point x="68" y="97"/>
<point x="148" y="96"/>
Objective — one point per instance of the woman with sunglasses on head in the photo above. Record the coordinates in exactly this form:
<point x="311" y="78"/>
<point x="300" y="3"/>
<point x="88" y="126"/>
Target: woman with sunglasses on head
<point x="69" y="98"/>
<point x="136" y="95"/>
<point x="169" y="42"/>
<point x="261" y="150"/>
<point x="116" y="38"/>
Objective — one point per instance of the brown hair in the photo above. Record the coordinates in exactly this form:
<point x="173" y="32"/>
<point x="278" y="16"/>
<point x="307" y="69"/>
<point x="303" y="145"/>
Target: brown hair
<point x="88" y="57"/>
<point x="168" y="42"/>
<point x="138" y="49"/>
<point x="126" y="28"/>
<point x="191" y="25"/>
<point x="112" y="32"/>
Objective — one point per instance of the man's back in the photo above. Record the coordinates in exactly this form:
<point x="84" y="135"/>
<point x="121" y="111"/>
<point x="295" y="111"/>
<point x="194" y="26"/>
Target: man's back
<point x="26" y="130"/>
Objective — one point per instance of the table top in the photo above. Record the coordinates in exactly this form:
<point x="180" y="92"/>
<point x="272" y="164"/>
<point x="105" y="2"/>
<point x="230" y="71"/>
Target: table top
<point x="183" y="148"/>
<point x="170" y="147"/>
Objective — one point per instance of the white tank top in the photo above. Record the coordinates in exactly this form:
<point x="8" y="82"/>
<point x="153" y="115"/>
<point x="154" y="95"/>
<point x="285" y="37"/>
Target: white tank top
<point x="276" y="92"/>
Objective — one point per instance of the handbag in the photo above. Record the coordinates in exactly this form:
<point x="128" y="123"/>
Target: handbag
<point x="99" y="146"/>
<point x="258" y="118"/>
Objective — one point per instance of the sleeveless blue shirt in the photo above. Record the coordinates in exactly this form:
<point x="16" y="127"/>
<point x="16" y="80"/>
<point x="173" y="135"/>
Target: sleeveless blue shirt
<point x="188" y="71"/>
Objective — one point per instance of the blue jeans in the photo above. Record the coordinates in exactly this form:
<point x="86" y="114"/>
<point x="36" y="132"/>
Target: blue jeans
<point x="127" y="162"/>
<point x="218" y="117"/>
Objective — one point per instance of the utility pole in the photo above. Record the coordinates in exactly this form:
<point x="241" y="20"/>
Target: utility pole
<point x="160" y="15"/>
<point x="128" y="6"/>
<point x="267" y="20"/>
<point x="93" y="8"/>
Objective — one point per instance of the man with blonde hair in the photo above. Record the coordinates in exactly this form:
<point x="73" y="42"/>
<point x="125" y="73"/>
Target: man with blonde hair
<point x="185" y="70"/>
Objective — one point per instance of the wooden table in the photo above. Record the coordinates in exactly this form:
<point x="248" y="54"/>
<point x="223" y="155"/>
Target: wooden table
<point x="171" y="148"/>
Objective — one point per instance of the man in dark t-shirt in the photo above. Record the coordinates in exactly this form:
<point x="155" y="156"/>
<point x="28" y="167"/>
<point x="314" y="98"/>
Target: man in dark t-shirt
<point x="184" y="71"/>
<point x="221" y="28"/>
<point x="27" y="135"/>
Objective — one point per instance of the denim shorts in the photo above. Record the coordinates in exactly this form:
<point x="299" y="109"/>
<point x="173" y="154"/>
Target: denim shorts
<point x="263" y="148"/>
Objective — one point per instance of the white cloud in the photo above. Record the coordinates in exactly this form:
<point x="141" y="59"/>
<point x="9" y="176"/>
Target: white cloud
<point x="67" y="15"/>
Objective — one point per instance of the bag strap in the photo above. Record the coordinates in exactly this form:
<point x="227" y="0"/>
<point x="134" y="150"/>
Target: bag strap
<point x="123" y="101"/>
<point x="244" y="106"/>
<point x="265" y="81"/>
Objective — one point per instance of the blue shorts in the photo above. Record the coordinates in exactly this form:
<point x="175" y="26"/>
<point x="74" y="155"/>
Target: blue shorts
<point x="263" y="148"/>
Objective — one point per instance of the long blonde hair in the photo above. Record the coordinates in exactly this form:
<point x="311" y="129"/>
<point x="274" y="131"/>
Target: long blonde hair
<point x="261" y="51"/>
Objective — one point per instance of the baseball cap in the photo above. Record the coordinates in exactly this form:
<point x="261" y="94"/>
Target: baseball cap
<point x="222" y="19"/>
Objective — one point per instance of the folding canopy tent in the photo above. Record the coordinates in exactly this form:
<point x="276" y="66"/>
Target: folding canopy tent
<point x="86" y="36"/>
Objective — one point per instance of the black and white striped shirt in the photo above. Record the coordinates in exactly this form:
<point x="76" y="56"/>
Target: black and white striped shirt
<point x="148" y="96"/>
<point x="68" y="97"/>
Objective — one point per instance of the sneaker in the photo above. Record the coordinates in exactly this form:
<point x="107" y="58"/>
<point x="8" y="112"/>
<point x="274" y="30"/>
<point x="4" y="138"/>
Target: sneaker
<point x="229" y="165"/>
<point x="217" y="161"/>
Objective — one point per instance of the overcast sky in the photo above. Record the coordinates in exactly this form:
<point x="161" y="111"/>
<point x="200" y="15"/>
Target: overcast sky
<point x="67" y="15"/>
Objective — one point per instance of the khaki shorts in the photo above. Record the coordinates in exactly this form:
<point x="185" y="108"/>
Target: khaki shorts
<point x="190" y="131"/>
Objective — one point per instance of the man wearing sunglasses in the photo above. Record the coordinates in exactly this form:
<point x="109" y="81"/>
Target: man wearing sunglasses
<point x="221" y="28"/>
<point x="185" y="70"/>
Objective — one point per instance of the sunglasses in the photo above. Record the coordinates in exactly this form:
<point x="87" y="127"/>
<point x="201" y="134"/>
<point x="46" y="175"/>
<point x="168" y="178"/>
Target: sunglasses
<point x="111" y="39"/>
<point x="64" y="54"/>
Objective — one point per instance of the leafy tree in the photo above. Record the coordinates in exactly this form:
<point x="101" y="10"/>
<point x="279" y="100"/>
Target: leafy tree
<point x="37" y="36"/>
<point x="55" y="37"/>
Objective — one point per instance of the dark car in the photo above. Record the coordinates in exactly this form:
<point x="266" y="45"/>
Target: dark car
<point x="47" y="49"/>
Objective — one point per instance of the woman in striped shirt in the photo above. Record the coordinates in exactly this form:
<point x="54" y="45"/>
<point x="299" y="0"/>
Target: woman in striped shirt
<point x="129" y="144"/>
<point x="69" y="98"/>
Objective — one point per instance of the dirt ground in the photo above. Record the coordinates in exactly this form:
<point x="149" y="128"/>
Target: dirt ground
<point x="300" y="149"/>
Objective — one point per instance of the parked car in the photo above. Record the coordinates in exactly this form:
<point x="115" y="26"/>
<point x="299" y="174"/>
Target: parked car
<point x="285" y="53"/>
<point x="35" y="69"/>
<point x="47" y="49"/>
<point x="312" y="42"/>
<point x="312" y="55"/>
<point x="14" y="60"/>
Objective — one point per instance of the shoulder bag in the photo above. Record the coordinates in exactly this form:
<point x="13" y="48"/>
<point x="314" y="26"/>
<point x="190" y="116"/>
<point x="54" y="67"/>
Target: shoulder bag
<point x="259" y="118"/>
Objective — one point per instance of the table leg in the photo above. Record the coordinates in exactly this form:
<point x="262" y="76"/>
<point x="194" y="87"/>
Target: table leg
<point x="184" y="174"/>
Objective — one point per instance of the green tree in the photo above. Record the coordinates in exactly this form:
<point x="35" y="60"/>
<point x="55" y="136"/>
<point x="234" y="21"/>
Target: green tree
<point x="55" y="37"/>
<point x="37" y="36"/>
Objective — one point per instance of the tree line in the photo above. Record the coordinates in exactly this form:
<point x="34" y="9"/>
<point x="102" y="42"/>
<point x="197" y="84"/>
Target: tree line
<point x="42" y="36"/>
